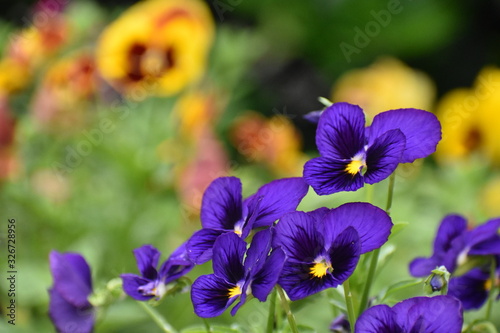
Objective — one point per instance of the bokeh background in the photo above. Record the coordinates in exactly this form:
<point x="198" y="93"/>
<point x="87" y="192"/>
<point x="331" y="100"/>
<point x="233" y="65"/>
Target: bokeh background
<point x="114" y="117"/>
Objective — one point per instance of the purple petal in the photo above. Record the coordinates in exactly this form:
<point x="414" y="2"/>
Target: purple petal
<point x="341" y="131"/>
<point x="328" y="176"/>
<point x="319" y="214"/>
<point x="68" y="318"/>
<point x="377" y="319"/>
<point x="451" y="228"/>
<point x="177" y="265"/>
<point x="383" y="156"/>
<point x="430" y="314"/>
<point x="482" y="233"/>
<point x="470" y="288"/>
<point x="298" y="282"/>
<point x="131" y="285"/>
<point x="221" y="206"/>
<point x="229" y="250"/>
<point x="147" y="257"/>
<point x="258" y="251"/>
<point x="313" y="116"/>
<point x="372" y="224"/>
<point x="296" y="233"/>
<point x="490" y="246"/>
<point x="344" y="254"/>
<point x="71" y="275"/>
<point x="421" y="129"/>
<point x="273" y="204"/>
<point x="266" y="278"/>
<point x="421" y="267"/>
<point x="210" y="296"/>
<point x="199" y="246"/>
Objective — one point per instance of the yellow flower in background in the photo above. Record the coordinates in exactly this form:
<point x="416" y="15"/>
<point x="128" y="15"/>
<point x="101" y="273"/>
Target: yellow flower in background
<point x="385" y="85"/>
<point x="14" y="76"/>
<point x="156" y="47"/>
<point x="470" y="120"/>
<point x="274" y="142"/>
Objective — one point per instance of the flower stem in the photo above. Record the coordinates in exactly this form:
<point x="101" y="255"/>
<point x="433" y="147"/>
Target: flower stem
<point x="207" y="325"/>
<point x="288" y="311"/>
<point x="375" y="253"/>
<point x="272" y="311"/>
<point x="158" y="318"/>
<point x="492" y="289"/>
<point x="349" y="304"/>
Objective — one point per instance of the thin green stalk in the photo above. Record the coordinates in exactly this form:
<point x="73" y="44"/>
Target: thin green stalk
<point x="272" y="311"/>
<point x="207" y="325"/>
<point x="158" y="318"/>
<point x="349" y="304"/>
<point x="491" y="295"/>
<point x="288" y="311"/>
<point x="375" y="253"/>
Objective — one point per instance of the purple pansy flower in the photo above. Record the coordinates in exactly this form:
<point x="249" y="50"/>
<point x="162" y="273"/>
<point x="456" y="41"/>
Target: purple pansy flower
<point x="69" y="308"/>
<point x="454" y="242"/>
<point x="323" y="246"/>
<point x="340" y="325"/>
<point x="418" y="314"/>
<point x="152" y="283"/>
<point x="236" y="276"/>
<point x="223" y="210"/>
<point x="352" y="155"/>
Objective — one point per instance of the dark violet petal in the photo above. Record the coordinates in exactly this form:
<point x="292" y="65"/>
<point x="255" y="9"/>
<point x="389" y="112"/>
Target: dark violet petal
<point x="470" y="288"/>
<point x="199" y="246"/>
<point x="273" y="204"/>
<point x="147" y="257"/>
<point x="378" y="319"/>
<point x="421" y="267"/>
<point x="430" y="314"/>
<point x="296" y="233"/>
<point x="340" y="324"/>
<point x="421" y="129"/>
<point x="71" y="275"/>
<point x="68" y="318"/>
<point x="490" y="246"/>
<point x="341" y="131"/>
<point x="131" y="285"/>
<point x="229" y="250"/>
<point x="258" y="251"/>
<point x="313" y="116"/>
<point x="298" y="282"/>
<point x="238" y="305"/>
<point x="221" y="206"/>
<point x="266" y="278"/>
<point x="372" y="224"/>
<point x="177" y="265"/>
<point x="482" y="233"/>
<point x="319" y="214"/>
<point x="210" y="296"/>
<point x="328" y="176"/>
<point x="451" y="228"/>
<point x="344" y="254"/>
<point x="383" y="156"/>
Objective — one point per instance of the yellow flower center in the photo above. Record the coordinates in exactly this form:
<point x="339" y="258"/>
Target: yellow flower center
<point x="354" y="167"/>
<point x="235" y="291"/>
<point x="320" y="269"/>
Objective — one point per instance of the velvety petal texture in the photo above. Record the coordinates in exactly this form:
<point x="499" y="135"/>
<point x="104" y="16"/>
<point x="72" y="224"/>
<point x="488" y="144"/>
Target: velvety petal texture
<point x="418" y="314"/>
<point x="470" y="288"/>
<point x="352" y="155"/>
<point x="69" y="308"/>
<point x="421" y="129"/>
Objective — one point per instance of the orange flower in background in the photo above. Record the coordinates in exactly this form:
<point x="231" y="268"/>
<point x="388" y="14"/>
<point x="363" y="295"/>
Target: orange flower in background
<point x="66" y="89"/>
<point x="157" y="46"/>
<point x="385" y="85"/>
<point x="470" y="121"/>
<point x="274" y="142"/>
<point x="9" y="163"/>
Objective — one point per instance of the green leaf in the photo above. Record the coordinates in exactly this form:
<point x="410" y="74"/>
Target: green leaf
<point x="397" y="287"/>
<point x="213" y="329"/>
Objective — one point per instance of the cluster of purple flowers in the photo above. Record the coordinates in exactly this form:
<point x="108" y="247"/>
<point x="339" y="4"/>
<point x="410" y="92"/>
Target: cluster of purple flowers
<point x="263" y="241"/>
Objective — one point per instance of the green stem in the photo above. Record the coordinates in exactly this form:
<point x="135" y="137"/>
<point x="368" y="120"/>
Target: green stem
<point x="272" y="310"/>
<point x="158" y="318"/>
<point x="375" y="254"/>
<point x="491" y="295"/>
<point x="349" y="304"/>
<point x="207" y="325"/>
<point x="288" y="311"/>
